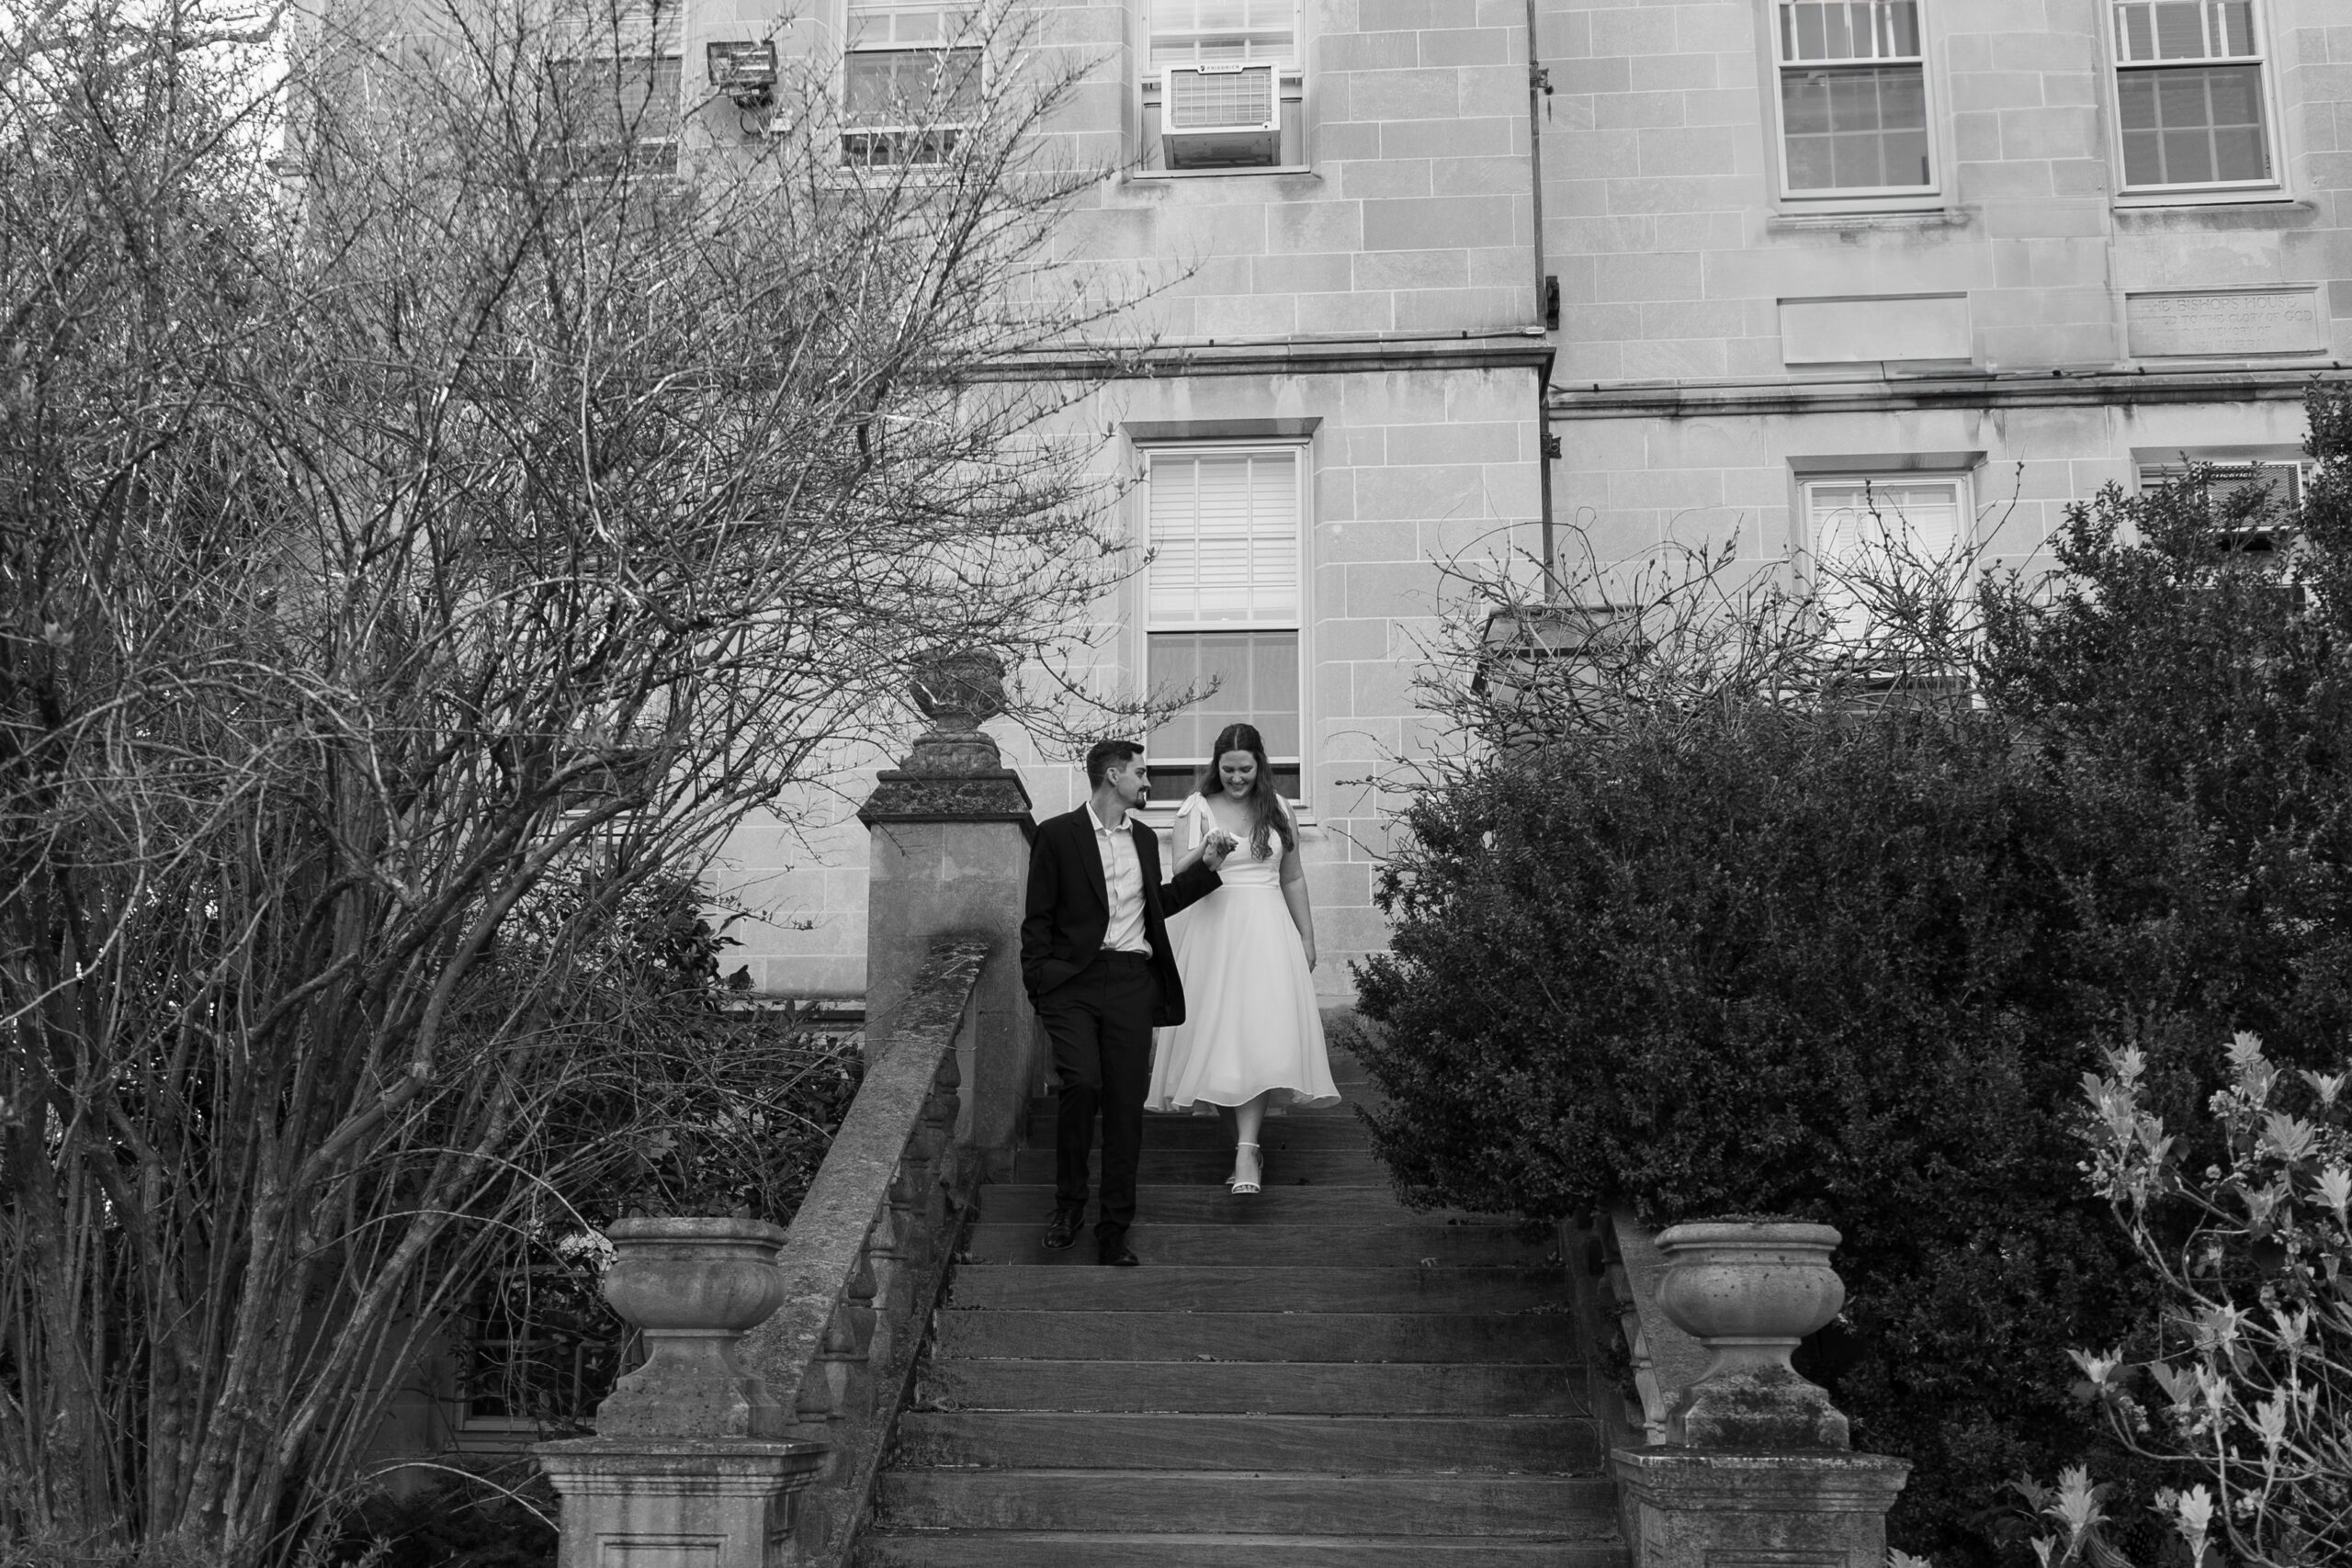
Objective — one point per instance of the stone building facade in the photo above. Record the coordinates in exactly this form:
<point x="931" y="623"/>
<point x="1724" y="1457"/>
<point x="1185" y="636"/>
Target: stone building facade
<point x="1450" y="278"/>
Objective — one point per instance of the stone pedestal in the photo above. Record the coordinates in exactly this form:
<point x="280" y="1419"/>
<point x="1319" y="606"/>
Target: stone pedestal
<point x="1719" y="1509"/>
<point x="677" y="1503"/>
<point x="949" y="857"/>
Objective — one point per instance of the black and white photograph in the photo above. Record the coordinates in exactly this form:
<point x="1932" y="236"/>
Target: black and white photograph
<point x="1175" y="784"/>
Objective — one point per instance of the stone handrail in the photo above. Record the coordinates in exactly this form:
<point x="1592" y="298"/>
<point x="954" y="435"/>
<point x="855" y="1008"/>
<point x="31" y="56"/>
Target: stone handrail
<point x="1660" y="1358"/>
<point x="869" y="1248"/>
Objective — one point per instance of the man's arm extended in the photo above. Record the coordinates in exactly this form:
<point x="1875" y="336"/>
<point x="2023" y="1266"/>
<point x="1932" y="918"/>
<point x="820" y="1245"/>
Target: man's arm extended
<point x="1189" y="885"/>
<point x="1038" y="919"/>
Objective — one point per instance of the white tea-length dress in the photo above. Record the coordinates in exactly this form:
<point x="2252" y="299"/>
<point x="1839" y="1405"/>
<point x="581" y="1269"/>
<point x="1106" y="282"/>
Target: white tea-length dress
<point x="1251" y="1022"/>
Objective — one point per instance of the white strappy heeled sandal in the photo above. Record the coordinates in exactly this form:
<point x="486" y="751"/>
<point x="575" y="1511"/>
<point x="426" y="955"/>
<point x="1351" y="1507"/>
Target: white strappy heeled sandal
<point x="1243" y="1188"/>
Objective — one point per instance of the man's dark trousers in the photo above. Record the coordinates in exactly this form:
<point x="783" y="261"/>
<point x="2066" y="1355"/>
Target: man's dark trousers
<point x="1100" y="1024"/>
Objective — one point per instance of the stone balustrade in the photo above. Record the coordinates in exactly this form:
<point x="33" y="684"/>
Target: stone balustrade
<point x="775" y="1469"/>
<point x="869" y="1249"/>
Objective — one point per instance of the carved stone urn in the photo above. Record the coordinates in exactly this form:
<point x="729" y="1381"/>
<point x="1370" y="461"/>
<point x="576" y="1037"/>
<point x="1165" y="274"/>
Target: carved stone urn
<point x="958" y="691"/>
<point x="692" y="1286"/>
<point x="1749" y="1290"/>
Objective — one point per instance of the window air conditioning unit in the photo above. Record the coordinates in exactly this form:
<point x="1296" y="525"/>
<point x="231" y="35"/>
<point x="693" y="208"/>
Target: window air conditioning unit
<point x="1220" y="117"/>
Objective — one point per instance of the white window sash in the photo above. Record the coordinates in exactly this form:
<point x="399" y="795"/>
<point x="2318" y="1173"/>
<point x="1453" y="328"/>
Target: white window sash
<point x="1180" y="556"/>
<point x="2135" y="19"/>
<point x="1850" y="519"/>
<point x="1288" y="618"/>
<point x="1176" y="34"/>
<point x="1884" y="52"/>
<point x="2215" y="34"/>
<point x="1881" y="30"/>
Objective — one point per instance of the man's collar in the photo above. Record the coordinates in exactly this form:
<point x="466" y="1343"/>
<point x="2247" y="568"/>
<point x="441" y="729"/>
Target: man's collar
<point x="1096" y="817"/>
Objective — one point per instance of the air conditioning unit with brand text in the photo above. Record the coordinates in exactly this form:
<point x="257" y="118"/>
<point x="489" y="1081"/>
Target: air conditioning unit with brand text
<point x="1220" y="117"/>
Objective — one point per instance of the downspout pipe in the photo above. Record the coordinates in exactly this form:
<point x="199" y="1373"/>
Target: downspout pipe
<point x="1539" y="88"/>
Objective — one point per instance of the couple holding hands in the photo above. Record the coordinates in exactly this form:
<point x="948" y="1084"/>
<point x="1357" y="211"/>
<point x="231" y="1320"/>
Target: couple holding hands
<point x="1108" y="952"/>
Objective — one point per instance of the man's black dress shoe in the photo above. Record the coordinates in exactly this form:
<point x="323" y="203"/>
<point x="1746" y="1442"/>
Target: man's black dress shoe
<point x="1110" y="1247"/>
<point x="1062" y="1229"/>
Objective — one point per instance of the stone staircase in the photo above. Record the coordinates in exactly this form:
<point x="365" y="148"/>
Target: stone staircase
<point x="1312" y="1377"/>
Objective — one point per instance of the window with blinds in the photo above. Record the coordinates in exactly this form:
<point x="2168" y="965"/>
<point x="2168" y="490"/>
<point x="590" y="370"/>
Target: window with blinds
<point x="2189" y="94"/>
<point x="911" y="80"/>
<point x="1853" y="98"/>
<point x="2252" y="524"/>
<point x="1871" y="536"/>
<point x="1222" y="603"/>
<point x="616" y="82"/>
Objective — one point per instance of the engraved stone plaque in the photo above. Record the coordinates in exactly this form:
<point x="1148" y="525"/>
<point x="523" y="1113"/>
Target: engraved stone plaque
<point x="2230" y="322"/>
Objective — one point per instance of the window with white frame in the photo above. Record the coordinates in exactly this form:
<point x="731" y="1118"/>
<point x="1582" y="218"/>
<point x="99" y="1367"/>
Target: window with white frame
<point x="1224" y="88"/>
<point x="1853" y="98"/>
<point x="1876" y="542"/>
<point x="1222" y="604"/>
<point x="2189" y="96"/>
<point x="2253" y="526"/>
<point x="616" y="82"/>
<point x="540" y="1349"/>
<point x="911" y="79"/>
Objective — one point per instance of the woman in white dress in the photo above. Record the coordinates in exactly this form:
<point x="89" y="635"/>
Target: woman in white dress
<point x="1252" y="1037"/>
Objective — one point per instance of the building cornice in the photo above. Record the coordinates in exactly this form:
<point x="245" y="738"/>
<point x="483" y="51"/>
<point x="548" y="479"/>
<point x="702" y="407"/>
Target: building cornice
<point x="2024" y="389"/>
<point x="1513" y="350"/>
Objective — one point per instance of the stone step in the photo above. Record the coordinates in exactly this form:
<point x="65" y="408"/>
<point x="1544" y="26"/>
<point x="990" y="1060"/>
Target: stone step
<point x="1229" y="1245"/>
<point x="1271" y="1388"/>
<point x="1300" y="1130"/>
<point x="1131" y="1549"/>
<point x="1193" y="1288"/>
<point x="1032" y="1202"/>
<point x="1329" y="1168"/>
<point x="1176" y="1502"/>
<point x="1542" y="1339"/>
<point x="1058" y="1439"/>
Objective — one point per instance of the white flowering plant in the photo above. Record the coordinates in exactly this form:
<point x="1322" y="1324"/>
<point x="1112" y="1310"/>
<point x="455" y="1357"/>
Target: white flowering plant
<point x="2245" y="1380"/>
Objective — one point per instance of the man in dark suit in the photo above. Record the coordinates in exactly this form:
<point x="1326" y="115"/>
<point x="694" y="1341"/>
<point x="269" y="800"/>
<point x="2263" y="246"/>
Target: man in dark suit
<point x="1095" y="958"/>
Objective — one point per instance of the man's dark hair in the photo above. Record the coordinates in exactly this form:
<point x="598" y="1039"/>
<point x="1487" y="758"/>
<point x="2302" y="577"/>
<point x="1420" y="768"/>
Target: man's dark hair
<point x="1105" y="755"/>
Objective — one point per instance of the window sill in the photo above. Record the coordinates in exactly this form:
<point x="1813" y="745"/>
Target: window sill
<point x="2158" y="211"/>
<point x="2235" y="196"/>
<point x="1799" y="222"/>
<point x="1161" y="816"/>
<point x="1245" y="174"/>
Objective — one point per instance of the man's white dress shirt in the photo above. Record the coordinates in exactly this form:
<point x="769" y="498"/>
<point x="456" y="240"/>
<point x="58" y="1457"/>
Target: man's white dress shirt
<point x="1123" y="878"/>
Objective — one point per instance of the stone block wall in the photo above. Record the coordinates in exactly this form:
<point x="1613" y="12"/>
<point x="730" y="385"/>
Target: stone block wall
<point x="1409" y="470"/>
<point x="1686" y="267"/>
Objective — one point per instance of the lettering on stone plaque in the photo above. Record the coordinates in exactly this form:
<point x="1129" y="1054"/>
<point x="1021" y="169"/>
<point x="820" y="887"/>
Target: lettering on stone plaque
<point x="2226" y="321"/>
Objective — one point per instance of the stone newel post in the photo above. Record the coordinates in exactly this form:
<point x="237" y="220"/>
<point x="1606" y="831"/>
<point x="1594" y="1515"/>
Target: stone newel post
<point x="949" y="858"/>
<point x="690" y="1466"/>
<point x="1758" y="1469"/>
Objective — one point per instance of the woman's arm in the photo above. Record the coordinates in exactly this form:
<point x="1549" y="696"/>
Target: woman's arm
<point x="1301" y="913"/>
<point x="1194" y="832"/>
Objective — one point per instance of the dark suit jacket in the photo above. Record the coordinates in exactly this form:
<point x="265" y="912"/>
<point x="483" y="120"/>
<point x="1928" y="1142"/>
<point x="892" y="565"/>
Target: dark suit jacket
<point x="1069" y="909"/>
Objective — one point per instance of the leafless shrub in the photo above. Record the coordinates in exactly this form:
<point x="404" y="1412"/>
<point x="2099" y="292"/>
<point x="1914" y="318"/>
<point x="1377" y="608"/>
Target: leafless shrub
<point x="410" y="493"/>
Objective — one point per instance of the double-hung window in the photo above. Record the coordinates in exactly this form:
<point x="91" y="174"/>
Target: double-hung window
<point x="1223" y="86"/>
<point x="1879" y="542"/>
<point x="541" y="1349"/>
<point x="2189" y="96"/>
<point x="2250" y="528"/>
<point x="1853" y="98"/>
<point x="1222" y="598"/>
<point x="911" y="79"/>
<point x="617" y="79"/>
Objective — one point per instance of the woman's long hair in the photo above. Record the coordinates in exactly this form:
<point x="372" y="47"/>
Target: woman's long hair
<point x="1267" y="819"/>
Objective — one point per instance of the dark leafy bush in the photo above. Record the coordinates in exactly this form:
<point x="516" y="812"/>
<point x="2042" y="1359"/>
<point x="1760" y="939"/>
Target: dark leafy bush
<point x="1776" y="959"/>
<point x="1749" y="950"/>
